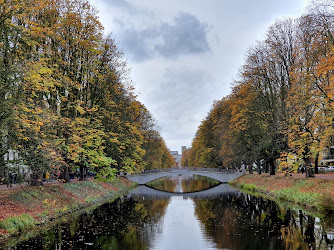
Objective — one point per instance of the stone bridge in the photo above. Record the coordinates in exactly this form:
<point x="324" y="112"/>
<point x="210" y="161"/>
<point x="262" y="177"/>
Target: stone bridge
<point x="221" y="175"/>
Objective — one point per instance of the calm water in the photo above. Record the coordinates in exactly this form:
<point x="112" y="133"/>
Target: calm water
<point x="221" y="219"/>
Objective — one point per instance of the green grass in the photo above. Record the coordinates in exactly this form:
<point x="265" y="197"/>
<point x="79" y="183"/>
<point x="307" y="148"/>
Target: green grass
<point x="292" y="194"/>
<point x="251" y="187"/>
<point x="90" y="198"/>
<point x="17" y="223"/>
<point x="311" y="199"/>
<point x="42" y="215"/>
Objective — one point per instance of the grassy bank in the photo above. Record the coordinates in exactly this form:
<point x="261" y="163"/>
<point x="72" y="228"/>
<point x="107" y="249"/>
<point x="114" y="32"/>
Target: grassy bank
<point x="24" y="208"/>
<point x="313" y="193"/>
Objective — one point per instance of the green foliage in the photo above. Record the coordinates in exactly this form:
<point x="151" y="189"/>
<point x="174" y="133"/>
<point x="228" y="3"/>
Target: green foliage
<point x="107" y="172"/>
<point x="65" y="97"/>
<point x="157" y="154"/>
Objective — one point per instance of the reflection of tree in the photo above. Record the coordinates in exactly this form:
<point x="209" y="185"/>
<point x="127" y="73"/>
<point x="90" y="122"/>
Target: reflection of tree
<point x="151" y="210"/>
<point x="293" y="239"/>
<point x="164" y="184"/>
<point x="118" y="225"/>
<point x="232" y="221"/>
<point x="309" y="232"/>
<point x="211" y="215"/>
<point x="189" y="184"/>
<point x="248" y="222"/>
<point x="197" y="183"/>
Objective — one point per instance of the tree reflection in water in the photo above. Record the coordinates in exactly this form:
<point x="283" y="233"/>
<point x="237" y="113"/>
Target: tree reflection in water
<point x="247" y="222"/>
<point x="122" y="224"/>
<point x="230" y="221"/>
<point x="183" y="184"/>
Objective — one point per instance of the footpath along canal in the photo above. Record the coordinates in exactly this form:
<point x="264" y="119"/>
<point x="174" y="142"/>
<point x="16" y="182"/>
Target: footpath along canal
<point x="228" y="219"/>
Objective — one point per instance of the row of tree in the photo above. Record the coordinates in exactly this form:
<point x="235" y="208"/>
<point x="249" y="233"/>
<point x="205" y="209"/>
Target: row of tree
<point x="65" y="96"/>
<point x="282" y="106"/>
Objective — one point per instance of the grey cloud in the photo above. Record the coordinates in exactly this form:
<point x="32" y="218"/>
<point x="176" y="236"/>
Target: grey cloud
<point x="137" y="45"/>
<point x="186" y="35"/>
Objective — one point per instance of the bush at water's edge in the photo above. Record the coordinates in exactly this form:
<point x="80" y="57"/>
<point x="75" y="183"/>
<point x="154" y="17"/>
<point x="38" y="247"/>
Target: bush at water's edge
<point x="314" y="193"/>
<point x="23" y="209"/>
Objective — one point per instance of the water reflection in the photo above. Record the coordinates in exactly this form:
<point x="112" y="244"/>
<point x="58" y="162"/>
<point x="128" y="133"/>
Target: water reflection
<point x="181" y="229"/>
<point x="246" y="222"/>
<point x="229" y="220"/>
<point x="184" y="183"/>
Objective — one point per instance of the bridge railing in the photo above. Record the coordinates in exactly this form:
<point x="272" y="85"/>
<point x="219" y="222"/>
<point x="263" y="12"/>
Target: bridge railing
<point x="164" y="170"/>
<point x="222" y="170"/>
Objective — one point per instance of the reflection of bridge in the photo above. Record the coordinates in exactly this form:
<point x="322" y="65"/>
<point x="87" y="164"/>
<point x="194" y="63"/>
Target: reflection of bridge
<point x="148" y="192"/>
<point x="221" y="175"/>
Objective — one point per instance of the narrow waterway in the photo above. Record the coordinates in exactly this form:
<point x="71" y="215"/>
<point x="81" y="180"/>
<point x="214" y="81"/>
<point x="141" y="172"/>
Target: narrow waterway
<point x="225" y="219"/>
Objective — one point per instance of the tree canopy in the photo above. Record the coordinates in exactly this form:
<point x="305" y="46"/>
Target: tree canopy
<point x="66" y="99"/>
<point x="281" y="106"/>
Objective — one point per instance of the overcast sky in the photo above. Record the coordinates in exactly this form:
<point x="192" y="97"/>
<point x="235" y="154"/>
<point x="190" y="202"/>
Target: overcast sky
<point x="184" y="54"/>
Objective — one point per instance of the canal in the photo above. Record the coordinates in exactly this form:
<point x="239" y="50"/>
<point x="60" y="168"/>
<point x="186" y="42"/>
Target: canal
<point x="178" y="214"/>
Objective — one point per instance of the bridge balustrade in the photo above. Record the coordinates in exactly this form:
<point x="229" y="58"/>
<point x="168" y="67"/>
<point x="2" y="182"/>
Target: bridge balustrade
<point x="223" y="170"/>
<point x="164" y="170"/>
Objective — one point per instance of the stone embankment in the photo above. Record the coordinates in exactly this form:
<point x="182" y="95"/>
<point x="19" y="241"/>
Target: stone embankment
<point x="313" y="193"/>
<point x="23" y="208"/>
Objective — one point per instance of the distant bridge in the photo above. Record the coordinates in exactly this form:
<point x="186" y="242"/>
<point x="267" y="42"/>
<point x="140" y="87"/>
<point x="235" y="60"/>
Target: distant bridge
<point x="222" y="175"/>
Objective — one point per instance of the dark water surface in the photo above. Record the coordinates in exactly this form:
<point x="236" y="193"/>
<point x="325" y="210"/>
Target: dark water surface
<point x="226" y="220"/>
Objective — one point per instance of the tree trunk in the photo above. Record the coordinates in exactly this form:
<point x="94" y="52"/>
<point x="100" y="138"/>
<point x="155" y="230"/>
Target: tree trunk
<point x="316" y="164"/>
<point x="250" y="168"/>
<point x="309" y="172"/>
<point x="35" y="180"/>
<point x="272" y="166"/>
<point x="308" y="169"/>
<point x="83" y="173"/>
<point x="259" y="170"/>
<point x="266" y="166"/>
<point x="65" y="174"/>
<point x="307" y="160"/>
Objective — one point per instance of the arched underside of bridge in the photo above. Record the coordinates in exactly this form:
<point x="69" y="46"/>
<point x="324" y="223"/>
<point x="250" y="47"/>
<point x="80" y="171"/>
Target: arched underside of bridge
<point x="219" y="176"/>
<point x="222" y="189"/>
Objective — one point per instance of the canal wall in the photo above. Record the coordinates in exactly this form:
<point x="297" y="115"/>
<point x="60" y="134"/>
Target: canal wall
<point x="311" y="193"/>
<point x="22" y="209"/>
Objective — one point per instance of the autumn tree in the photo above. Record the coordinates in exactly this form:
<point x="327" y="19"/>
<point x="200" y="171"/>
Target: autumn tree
<point x="66" y="98"/>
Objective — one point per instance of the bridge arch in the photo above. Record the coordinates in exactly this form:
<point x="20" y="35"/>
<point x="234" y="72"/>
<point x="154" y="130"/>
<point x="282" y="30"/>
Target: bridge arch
<point x="145" y="191"/>
<point x="223" y="177"/>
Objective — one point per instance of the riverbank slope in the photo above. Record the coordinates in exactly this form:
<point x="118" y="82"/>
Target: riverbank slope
<point x="24" y="208"/>
<point x="313" y="193"/>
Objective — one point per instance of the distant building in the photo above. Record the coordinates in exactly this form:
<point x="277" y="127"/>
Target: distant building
<point x="177" y="158"/>
<point x="183" y="148"/>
